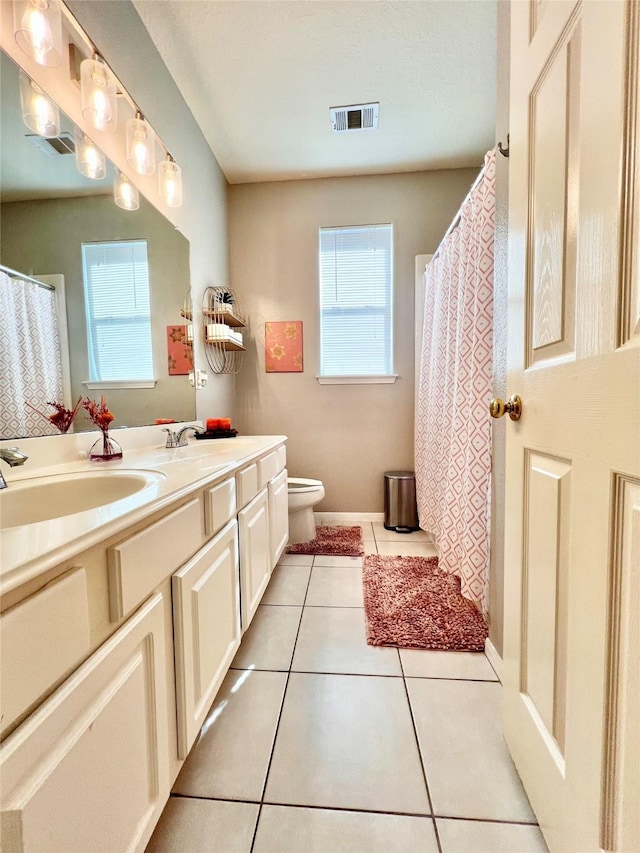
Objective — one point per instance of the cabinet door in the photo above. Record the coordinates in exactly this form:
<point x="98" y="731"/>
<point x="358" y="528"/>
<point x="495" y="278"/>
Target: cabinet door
<point x="89" y="769"/>
<point x="206" y="615"/>
<point x="278" y="515"/>
<point x="255" y="557"/>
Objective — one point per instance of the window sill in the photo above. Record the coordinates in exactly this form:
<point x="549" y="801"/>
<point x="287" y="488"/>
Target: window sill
<point x="357" y="380"/>
<point x="119" y="384"/>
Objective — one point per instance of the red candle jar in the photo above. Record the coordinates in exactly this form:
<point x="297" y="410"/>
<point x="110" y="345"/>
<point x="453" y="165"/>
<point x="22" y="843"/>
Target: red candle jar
<point x="225" y="423"/>
<point x="213" y="424"/>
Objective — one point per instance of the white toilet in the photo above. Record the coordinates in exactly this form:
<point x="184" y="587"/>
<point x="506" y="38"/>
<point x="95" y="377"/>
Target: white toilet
<point x="303" y="496"/>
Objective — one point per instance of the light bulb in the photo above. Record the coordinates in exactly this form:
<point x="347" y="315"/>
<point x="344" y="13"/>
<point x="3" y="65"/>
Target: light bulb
<point x="170" y="182"/>
<point x="39" y="113"/>
<point x="98" y="95"/>
<point x="38" y="30"/>
<point x="90" y="160"/>
<point x="141" y="146"/>
<point x="125" y="194"/>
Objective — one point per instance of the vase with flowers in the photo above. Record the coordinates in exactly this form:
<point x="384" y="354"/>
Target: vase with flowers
<point x="106" y="448"/>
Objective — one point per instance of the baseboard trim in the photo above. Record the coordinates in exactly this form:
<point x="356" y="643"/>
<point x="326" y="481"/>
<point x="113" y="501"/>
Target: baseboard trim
<point x="494" y="658"/>
<point x="350" y="517"/>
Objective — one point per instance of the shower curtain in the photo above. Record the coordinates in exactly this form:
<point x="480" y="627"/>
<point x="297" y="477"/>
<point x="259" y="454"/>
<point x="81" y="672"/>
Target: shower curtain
<point x="453" y="428"/>
<point x="30" y="362"/>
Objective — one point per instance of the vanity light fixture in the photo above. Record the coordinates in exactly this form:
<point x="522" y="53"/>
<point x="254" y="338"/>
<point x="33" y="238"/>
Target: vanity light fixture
<point x="90" y="160"/>
<point x="39" y="112"/>
<point x="170" y="182"/>
<point x="37" y="28"/>
<point x="125" y="194"/>
<point x="141" y="145"/>
<point x="98" y="94"/>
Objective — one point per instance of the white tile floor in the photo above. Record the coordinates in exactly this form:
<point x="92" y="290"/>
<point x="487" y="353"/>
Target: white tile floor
<point x="318" y="743"/>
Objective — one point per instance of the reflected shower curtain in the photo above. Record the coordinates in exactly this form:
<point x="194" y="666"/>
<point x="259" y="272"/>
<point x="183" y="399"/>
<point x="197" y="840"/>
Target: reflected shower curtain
<point x="453" y="426"/>
<point x="30" y="364"/>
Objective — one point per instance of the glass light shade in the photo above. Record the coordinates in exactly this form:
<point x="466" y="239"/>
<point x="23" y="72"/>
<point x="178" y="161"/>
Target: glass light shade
<point x="37" y="27"/>
<point x="98" y="95"/>
<point x="141" y="146"/>
<point x="90" y="160"/>
<point x="39" y="112"/>
<point x="170" y="183"/>
<point x="125" y="194"/>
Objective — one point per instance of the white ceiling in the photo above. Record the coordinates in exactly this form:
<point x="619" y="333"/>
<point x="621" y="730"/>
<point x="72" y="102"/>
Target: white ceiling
<point x="260" y="75"/>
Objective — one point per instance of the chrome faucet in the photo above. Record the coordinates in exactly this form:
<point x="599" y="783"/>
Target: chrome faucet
<point x="181" y="436"/>
<point x="12" y="456"/>
<point x="179" y="439"/>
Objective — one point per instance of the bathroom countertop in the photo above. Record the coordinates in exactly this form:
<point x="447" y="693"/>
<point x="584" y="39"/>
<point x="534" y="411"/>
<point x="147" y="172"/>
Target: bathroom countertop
<point x="31" y="549"/>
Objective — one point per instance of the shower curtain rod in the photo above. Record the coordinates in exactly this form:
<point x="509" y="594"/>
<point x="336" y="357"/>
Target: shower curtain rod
<point x="24" y="277"/>
<point x="456" y="219"/>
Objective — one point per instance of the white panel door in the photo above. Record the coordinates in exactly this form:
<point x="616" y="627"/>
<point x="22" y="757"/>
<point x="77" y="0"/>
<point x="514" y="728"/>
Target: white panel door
<point x="89" y="769"/>
<point x="255" y="555"/>
<point x="206" y="617"/>
<point x="278" y="515"/>
<point x="573" y="460"/>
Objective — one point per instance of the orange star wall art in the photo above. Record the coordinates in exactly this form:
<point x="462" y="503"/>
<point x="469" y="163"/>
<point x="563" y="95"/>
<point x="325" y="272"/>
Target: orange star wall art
<point x="283" y="346"/>
<point x="179" y="351"/>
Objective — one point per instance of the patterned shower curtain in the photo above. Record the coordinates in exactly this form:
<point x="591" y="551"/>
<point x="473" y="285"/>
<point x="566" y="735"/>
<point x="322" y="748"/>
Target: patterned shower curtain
<point x="453" y="426"/>
<point x="30" y="363"/>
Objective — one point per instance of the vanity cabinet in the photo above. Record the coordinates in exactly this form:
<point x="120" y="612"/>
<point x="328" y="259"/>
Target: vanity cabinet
<point x="89" y="770"/>
<point x="143" y="625"/>
<point x="278" y="515"/>
<point x="206" y="619"/>
<point x="255" y="555"/>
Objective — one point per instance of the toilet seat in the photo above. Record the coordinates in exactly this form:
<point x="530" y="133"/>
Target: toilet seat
<point x="301" y="485"/>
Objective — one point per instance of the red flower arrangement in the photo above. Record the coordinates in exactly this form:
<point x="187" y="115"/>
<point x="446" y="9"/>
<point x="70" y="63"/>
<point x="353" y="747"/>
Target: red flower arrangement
<point x="62" y="418"/>
<point x="105" y="448"/>
<point x="98" y="412"/>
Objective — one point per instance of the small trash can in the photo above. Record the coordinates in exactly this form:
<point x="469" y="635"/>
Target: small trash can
<point x="400" y="510"/>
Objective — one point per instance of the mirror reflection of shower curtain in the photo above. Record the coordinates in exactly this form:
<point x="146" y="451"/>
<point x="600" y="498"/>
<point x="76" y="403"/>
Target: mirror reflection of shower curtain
<point x="453" y="426"/>
<point x="30" y="361"/>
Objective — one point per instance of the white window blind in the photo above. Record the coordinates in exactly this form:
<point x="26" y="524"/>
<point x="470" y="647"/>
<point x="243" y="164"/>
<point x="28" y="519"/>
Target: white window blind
<point x="116" y="285"/>
<point x="356" y="298"/>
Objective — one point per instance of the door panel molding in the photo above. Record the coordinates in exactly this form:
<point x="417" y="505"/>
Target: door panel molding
<point x="621" y="733"/>
<point x="629" y="309"/>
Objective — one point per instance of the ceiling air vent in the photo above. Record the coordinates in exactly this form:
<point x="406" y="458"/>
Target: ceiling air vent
<point x="54" y="147"/>
<point x="355" y="117"/>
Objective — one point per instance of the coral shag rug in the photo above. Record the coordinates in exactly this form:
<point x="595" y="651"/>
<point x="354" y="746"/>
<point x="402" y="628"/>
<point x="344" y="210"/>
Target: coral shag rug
<point x="336" y="541"/>
<point x="411" y="603"/>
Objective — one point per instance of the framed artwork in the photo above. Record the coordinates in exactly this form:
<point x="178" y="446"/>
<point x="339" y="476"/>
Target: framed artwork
<point x="283" y="346"/>
<point x="179" y="351"/>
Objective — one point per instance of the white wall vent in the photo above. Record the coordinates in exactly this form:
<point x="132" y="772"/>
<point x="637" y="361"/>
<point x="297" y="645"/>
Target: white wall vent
<point x="354" y="117"/>
<point x="54" y="147"/>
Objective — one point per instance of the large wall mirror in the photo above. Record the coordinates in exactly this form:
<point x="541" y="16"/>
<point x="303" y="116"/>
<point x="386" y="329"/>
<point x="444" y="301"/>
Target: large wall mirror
<point x="47" y="212"/>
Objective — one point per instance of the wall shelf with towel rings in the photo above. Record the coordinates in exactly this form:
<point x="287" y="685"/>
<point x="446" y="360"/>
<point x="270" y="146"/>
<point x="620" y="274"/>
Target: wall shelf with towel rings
<point x="222" y="321"/>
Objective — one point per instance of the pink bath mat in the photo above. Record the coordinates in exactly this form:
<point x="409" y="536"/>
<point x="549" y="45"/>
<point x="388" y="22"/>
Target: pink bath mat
<point x="411" y="603"/>
<point x="332" y="541"/>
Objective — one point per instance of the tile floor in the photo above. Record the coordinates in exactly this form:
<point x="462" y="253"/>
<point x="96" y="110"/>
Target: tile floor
<point x="318" y="743"/>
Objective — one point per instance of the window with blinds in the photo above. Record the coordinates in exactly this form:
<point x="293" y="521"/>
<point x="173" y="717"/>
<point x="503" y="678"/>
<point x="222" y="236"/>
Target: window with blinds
<point x="116" y="286"/>
<point x="356" y="299"/>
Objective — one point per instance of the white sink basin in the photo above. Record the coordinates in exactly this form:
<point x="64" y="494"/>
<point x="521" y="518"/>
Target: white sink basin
<point x="44" y="498"/>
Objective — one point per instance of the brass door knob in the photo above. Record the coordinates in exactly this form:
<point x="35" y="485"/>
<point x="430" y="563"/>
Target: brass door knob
<point x="513" y="407"/>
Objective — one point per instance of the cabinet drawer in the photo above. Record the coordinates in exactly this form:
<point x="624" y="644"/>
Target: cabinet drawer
<point x="247" y="484"/>
<point x="282" y="457"/>
<point x="140" y="563"/>
<point x="89" y="770"/>
<point x="41" y="640"/>
<point x="219" y="506"/>
<point x="267" y="468"/>
<point x="206" y="617"/>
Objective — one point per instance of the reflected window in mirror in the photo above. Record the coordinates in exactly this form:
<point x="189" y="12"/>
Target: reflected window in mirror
<point x="116" y="286"/>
